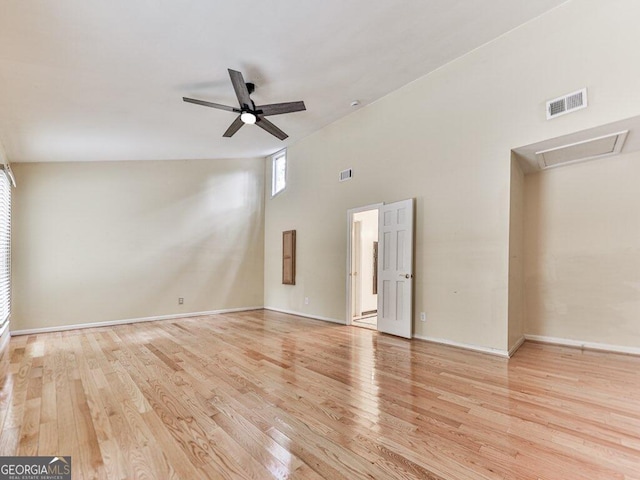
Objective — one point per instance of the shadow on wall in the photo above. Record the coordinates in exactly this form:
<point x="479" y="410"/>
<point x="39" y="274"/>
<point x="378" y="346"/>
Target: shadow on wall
<point x="127" y="241"/>
<point x="582" y="257"/>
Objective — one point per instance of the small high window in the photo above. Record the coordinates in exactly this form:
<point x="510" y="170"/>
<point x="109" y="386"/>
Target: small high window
<point x="279" y="173"/>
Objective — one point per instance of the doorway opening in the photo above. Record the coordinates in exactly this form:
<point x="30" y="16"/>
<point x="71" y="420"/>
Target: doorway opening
<point x="362" y="280"/>
<point x="380" y="245"/>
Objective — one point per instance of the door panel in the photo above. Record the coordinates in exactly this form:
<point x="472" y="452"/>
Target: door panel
<point x="355" y="271"/>
<point x="395" y="269"/>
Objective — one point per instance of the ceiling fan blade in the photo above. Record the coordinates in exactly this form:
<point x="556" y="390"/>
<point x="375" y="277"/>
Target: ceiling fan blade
<point x="234" y="127"/>
<point x="267" y="126"/>
<point x="241" y="89"/>
<point x="210" y="104"/>
<point x="279" y="108"/>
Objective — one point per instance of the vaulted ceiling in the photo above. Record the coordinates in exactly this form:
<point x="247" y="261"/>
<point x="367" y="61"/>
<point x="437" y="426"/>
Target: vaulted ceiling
<point x="87" y="80"/>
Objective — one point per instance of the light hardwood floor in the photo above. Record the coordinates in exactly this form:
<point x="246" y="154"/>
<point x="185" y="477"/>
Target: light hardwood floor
<point x="266" y="395"/>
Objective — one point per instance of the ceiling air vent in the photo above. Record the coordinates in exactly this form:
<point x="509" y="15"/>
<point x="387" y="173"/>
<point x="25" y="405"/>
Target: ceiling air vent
<point x="346" y="174"/>
<point x="567" y="103"/>
<point x="579" y="152"/>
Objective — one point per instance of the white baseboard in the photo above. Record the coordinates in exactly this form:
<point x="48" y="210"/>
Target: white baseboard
<point x="516" y="346"/>
<point x="62" y="328"/>
<point x="586" y="345"/>
<point x="466" y="346"/>
<point x="306" y="315"/>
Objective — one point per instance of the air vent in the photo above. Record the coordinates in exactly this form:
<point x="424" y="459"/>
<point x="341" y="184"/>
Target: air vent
<point x="346" y="174"/>
<point x="567" y="104"/>
<point x="579" y="152"/>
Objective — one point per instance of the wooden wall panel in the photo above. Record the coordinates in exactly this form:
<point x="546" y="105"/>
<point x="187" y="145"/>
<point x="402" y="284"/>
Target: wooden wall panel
<point x="289" y="257"/>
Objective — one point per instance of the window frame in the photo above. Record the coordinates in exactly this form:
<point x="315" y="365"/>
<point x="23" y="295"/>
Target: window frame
<point x="274" y="161"/>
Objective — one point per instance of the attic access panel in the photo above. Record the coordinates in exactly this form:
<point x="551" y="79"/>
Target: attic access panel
<point x="581" y="151"/>
<point x="580" y="146"/>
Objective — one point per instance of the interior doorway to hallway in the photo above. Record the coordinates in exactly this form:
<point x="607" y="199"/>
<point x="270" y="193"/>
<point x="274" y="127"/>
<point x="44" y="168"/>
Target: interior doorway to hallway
<point x="362" y="262"/>
<point x="388" y="279"/>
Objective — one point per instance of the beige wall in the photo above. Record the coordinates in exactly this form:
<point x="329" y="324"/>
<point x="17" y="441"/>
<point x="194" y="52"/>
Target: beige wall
<point x="516" y="321"/>
<point x="445" y="139"/>
<point x="583" y="252"/>
<point x="118" y="240"/>
<point x="3" y="154"/>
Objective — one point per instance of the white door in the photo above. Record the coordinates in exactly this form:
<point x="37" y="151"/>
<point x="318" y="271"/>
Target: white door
<point x="395" y="268"/>
<point x="355" y="271"/>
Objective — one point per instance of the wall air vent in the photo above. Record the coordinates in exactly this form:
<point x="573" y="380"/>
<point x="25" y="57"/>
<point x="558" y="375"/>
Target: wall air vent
<point x="567" y="104"/>
<point x="579" y="152"/>
<point x="346" y="174"/>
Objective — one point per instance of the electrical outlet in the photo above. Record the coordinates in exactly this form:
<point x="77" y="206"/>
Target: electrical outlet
<point x="180" y="301"/>
<point x="423" y="317"/>
<point x="306" y="300"/>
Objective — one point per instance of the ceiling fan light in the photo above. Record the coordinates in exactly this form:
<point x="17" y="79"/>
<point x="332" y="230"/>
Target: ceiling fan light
<point x="248" y="117"/>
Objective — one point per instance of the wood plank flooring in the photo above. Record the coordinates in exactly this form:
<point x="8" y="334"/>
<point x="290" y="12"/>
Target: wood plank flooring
<point x="266" y="395"/>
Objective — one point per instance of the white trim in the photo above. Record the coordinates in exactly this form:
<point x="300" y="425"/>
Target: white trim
<point x="305" y="315"/>
<point x="109" y="323"/>
<point x="516" y="346"/>
<point x="585" y="345"/>
<point x="350" y="212"/>
<point x="466" y="346"/>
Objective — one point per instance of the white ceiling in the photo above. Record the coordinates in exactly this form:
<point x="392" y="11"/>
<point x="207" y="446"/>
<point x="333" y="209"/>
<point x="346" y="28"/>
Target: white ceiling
<point x="84" y="80"/>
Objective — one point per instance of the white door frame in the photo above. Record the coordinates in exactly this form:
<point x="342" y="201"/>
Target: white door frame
<point x="350" y="213"/>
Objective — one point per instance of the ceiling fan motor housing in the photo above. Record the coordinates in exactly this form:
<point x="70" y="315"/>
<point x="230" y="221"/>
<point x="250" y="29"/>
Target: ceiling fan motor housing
<point x="249" y="113"/>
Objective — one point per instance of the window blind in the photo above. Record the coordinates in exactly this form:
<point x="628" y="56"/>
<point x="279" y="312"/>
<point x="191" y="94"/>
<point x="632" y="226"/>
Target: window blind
<point x="5" y="249"/>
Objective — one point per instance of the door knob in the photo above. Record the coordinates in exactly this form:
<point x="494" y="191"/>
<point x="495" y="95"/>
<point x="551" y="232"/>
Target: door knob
<point x="406" y="275"/>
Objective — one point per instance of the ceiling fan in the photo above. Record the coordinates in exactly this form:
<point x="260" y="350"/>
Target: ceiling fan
<point x="249" y="112"/>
